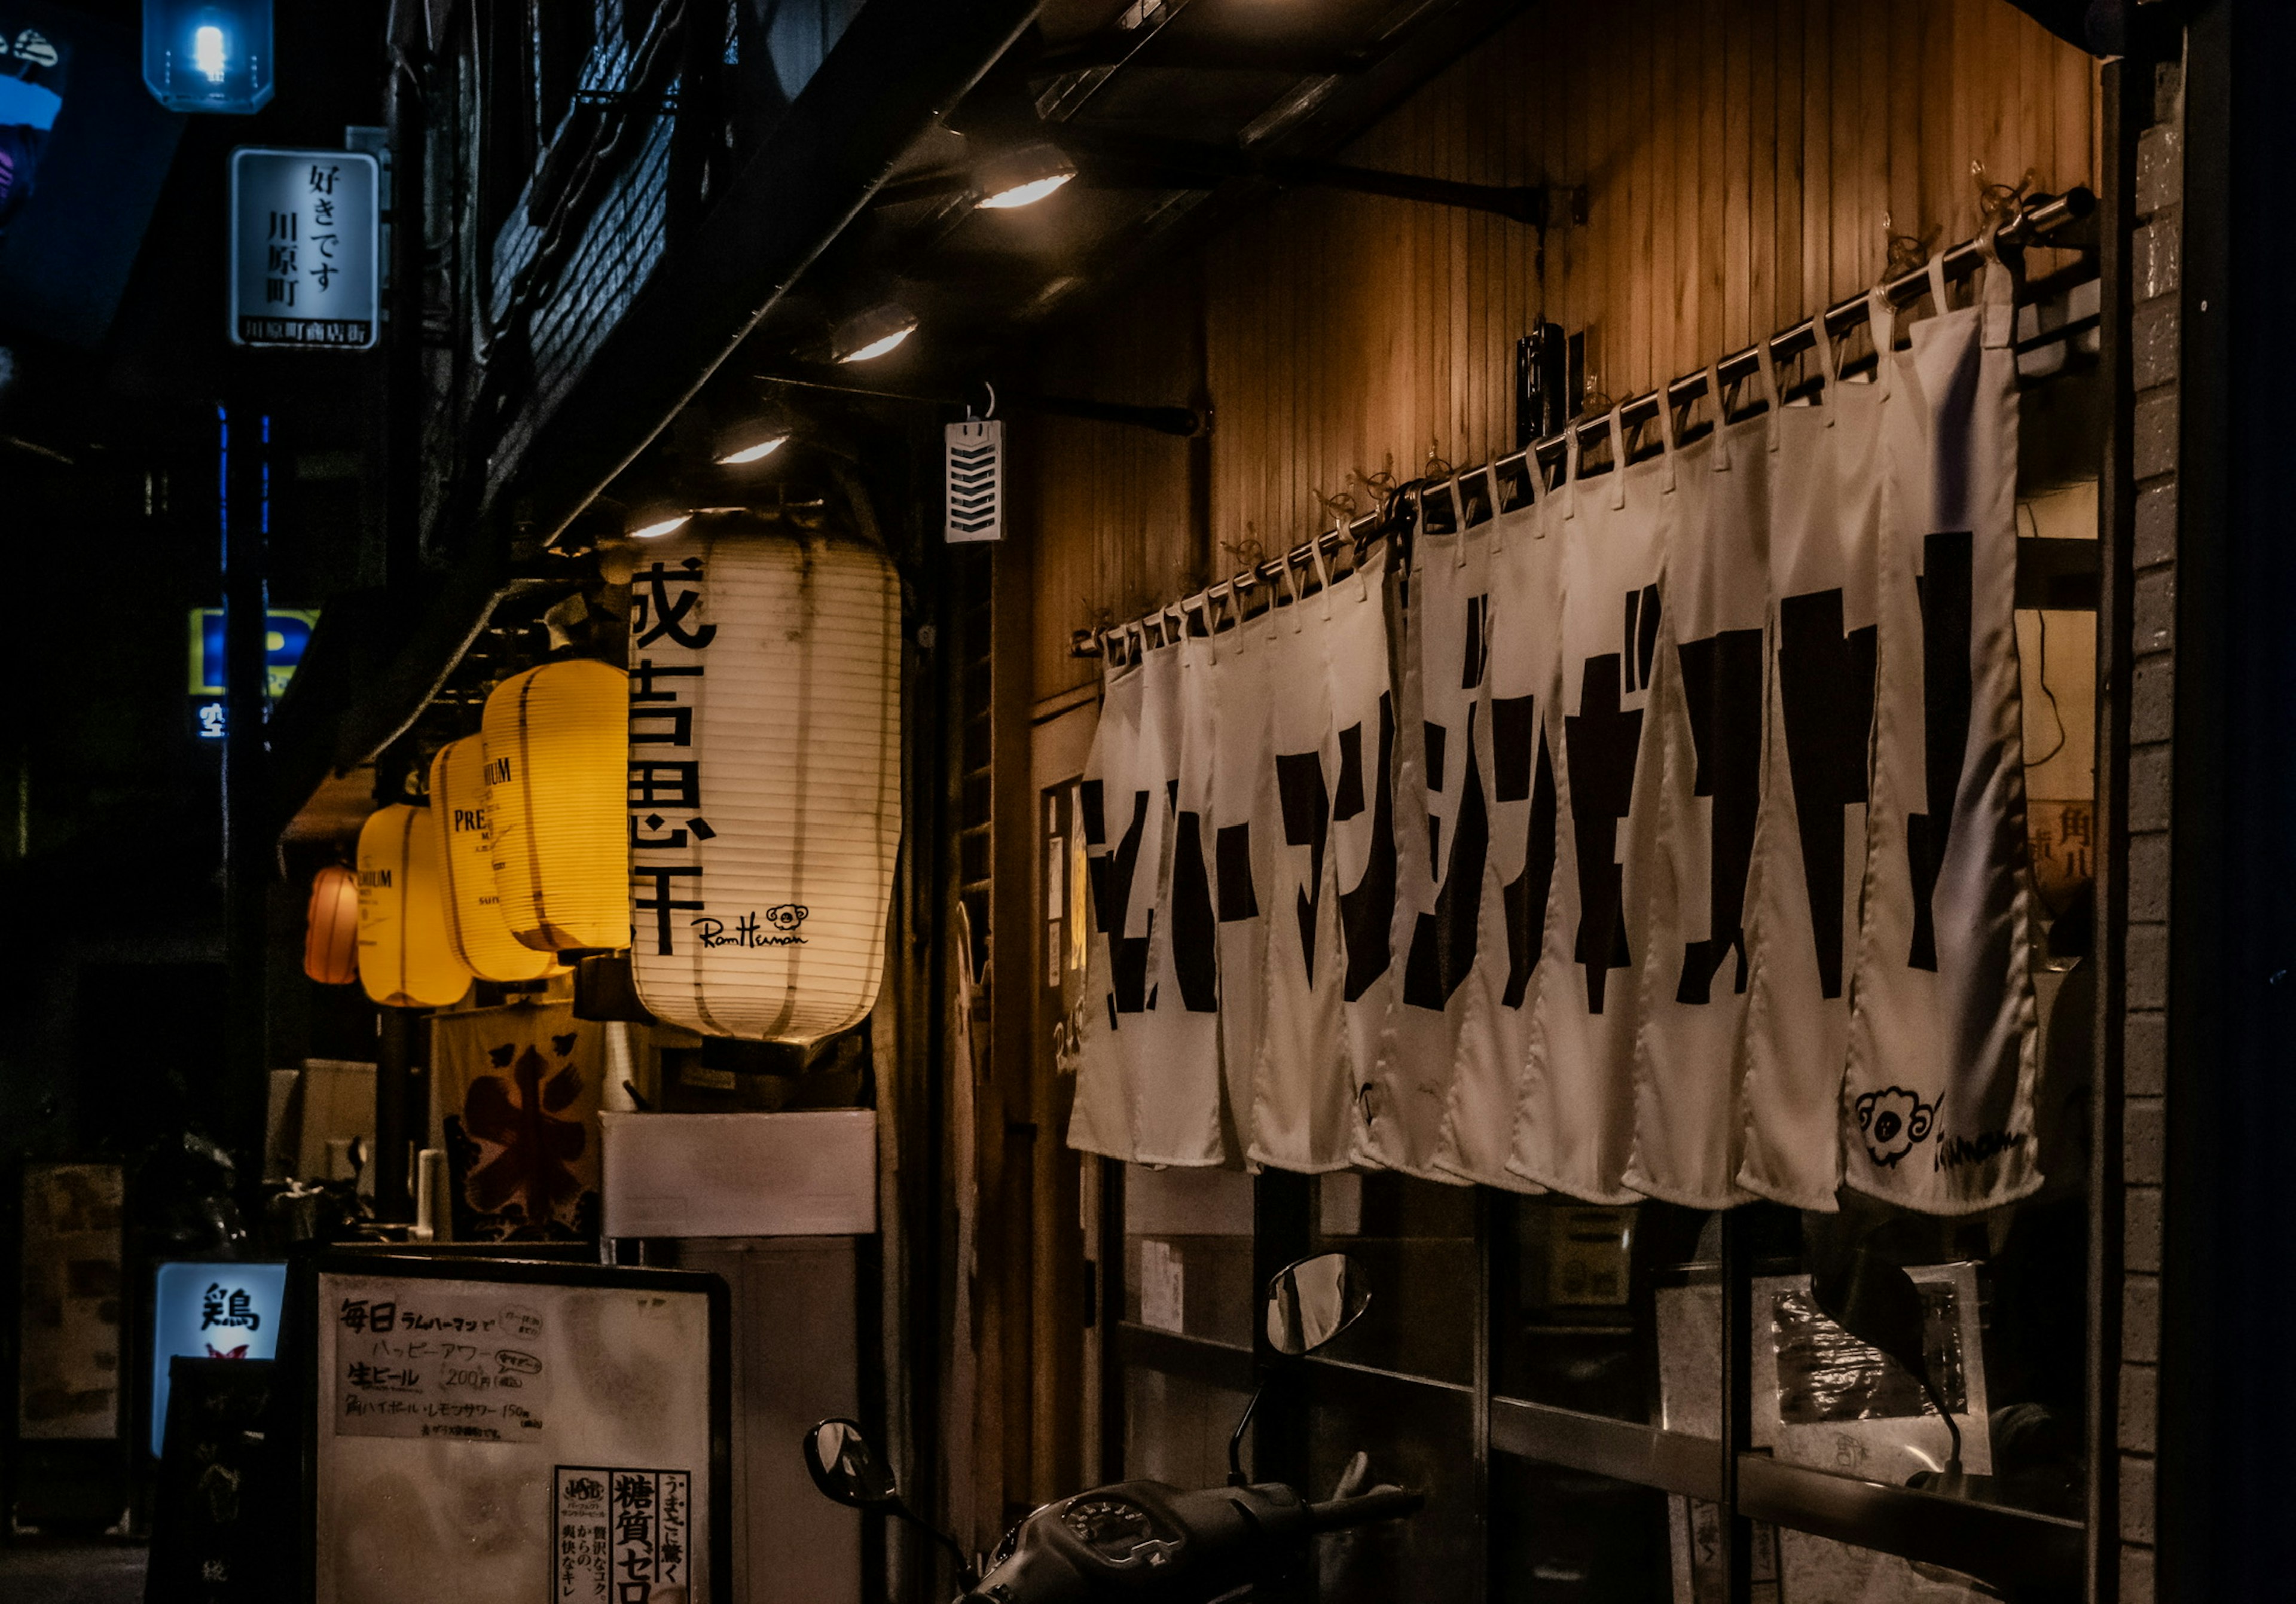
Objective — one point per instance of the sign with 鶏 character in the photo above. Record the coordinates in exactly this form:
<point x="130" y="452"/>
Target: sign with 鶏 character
<point x="219" y="1310"/>
<point x="305" y="272"/>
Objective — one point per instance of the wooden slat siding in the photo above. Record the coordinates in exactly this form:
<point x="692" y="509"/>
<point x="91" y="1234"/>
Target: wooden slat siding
<point x="1738" y="192"/>
<point x="1763" y="153"/>
<point x="1817" y="151"/>
<point x="1739" y="157"/>
<point x="1792" y="161"/>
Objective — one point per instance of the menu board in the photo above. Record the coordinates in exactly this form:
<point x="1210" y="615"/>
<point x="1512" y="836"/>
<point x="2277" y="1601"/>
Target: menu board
<point x="440" y="1359"/>
<point x="484" y="1431"/>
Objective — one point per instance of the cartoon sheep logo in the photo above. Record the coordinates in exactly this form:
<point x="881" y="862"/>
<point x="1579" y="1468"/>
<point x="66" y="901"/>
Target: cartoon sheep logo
<point x="1892" y="1120"/>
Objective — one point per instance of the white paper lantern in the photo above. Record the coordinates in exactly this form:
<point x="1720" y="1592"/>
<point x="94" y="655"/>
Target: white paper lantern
<point x="765" y="779"/>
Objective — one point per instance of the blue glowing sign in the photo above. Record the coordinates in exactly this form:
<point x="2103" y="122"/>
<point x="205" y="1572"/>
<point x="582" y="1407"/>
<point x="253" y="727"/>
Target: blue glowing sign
<point x="283" y="647"/>
<point x="212" y="1310"/>
<point x="208" y="56"/>
<point x="283" y="642"/>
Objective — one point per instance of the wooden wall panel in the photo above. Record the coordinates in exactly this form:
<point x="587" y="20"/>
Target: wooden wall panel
<point x="1744" y="160"/>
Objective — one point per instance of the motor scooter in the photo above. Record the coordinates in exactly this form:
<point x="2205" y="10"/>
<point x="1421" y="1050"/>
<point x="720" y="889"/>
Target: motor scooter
<point x="1147" y="1541"/>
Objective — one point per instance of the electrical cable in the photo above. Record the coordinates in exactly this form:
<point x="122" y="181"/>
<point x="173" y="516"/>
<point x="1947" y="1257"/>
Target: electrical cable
<point x="2025" y="510"/>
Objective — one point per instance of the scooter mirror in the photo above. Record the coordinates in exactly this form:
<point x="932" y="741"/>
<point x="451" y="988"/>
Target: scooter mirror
<point x="846" y="1468"/>
<point x="1313" y="1301"/>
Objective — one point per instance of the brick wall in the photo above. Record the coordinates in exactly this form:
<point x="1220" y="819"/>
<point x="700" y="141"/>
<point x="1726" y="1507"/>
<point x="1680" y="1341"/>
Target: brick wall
<point x="2155" y="353"/>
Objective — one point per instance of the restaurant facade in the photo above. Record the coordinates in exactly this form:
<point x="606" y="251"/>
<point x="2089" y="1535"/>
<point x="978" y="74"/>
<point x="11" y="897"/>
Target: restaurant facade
<point x="1620" y="660"/>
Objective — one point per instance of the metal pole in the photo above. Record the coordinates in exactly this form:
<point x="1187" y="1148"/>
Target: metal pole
<point x="244" y="442"/>
<point x="394" y="1058"/>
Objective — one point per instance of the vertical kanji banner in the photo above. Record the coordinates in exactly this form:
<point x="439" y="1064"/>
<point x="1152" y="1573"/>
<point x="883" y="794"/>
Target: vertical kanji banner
<point x="1576" y="1123"/>
<point x="1706" y="708"/>
<point x="1247" y="834"/>
<point x="1151" y="1092"/>
<point x="1102" y="1120"/>
<point x="1523" y="630"/>
<point x="1449" y="919"/>
<point x="1331" y="726"/>
<point x="1183" y="1114"/>
<point x="1368" y="736"/>
<point x="1810" y="835"/>
<point x="1938" y="1109"/>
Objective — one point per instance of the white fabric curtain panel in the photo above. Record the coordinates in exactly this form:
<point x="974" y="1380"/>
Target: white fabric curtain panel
<point x="1810" y="835"/>
<point x="1942" y="1050"/>
<point x="1450" y="911"/>
<point x="1662" y="835"/>
<point x="1524" y="628"/>
<point x="1575" y="1124"/>
<point x="1696" y="965"/>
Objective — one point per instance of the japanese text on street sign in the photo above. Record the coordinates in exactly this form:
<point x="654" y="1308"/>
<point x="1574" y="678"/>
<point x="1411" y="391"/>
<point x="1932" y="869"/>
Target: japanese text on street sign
<point x="304" y="267"/>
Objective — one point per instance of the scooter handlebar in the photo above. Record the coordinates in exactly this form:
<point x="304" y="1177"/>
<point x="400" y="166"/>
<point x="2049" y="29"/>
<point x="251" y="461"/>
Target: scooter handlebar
<point x="1386" y="1505"/>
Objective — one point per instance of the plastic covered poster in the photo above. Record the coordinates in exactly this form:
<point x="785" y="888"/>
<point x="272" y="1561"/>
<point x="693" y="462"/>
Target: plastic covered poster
<point x="483" y="1430"/>
<point x="1823" y="1399"/>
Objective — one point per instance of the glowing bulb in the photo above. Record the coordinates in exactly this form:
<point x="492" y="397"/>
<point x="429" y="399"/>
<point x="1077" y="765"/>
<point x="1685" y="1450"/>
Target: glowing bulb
<point x="871" y="333"/>
<point x="757" y="452"/>
<point x="659" y="526"/>
<point x="1025" y="194"/>
<point x="878" y="347"/>
<point x="206" y="52"/>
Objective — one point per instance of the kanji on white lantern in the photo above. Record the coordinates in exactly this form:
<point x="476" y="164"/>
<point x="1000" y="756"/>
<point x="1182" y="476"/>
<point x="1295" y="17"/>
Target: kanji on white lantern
<point x="765" y="776"/>
<point x="554" y="752"/>
<point x="404" y="960"/>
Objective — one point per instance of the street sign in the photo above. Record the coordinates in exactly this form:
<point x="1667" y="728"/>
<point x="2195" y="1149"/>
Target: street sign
<point x="305" y="269"/>
<point x="288" y="633"/>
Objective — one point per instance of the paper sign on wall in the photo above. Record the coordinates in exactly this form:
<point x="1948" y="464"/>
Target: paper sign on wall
<point x="619" y="1534"/>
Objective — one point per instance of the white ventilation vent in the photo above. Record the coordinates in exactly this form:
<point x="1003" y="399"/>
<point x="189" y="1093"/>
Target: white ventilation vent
<point x="976" y="480"/>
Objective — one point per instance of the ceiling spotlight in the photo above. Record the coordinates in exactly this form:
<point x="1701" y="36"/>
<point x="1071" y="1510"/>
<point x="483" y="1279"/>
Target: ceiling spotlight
<point x="751" y="443"/>
<point x="871" y="333"/>
<point x="654" y="520"/>
<point x="1023" y="177"/>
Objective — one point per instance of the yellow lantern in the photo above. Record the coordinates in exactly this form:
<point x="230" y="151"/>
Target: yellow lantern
<point x="404" y="960"/>
<point x="556" y="750"/>
<point x="765" y="779"/>
<point x="331" y="927"/>
<point x="476" y="931"/>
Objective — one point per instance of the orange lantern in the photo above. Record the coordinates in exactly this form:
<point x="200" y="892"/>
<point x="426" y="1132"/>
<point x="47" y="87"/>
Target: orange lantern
<point x="330" y="929"/>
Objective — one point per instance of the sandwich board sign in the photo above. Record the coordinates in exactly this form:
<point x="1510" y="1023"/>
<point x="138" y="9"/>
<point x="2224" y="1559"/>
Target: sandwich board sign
<point x="305" y="270"/>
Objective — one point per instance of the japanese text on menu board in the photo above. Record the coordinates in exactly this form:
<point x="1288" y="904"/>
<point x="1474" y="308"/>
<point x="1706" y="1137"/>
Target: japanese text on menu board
<point x="440" y="1362"/>
<point x="620" y="1535"/>
<point x="304" y="271"/>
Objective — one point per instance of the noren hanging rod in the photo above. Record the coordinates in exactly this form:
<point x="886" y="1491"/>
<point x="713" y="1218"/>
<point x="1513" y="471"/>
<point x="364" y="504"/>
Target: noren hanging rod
<point x="2034" y="222"/>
